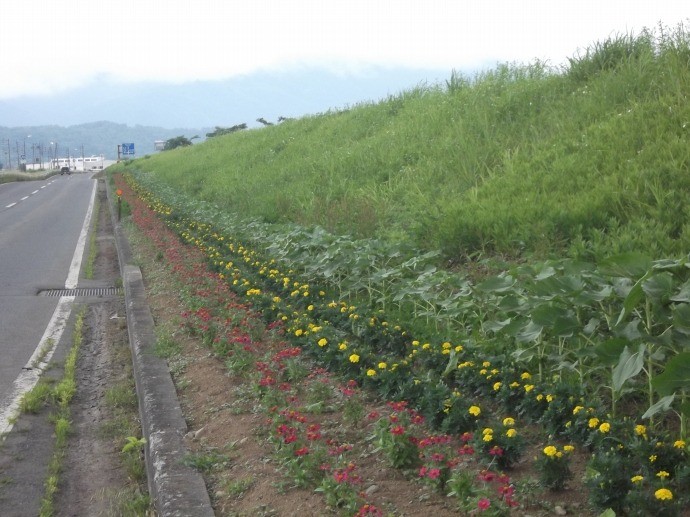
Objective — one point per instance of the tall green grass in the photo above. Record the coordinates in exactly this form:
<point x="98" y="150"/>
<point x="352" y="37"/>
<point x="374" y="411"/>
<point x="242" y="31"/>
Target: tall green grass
<point x="586" y="160"/>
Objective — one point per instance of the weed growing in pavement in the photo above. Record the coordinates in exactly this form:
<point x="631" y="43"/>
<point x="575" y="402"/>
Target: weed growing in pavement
<point x="62" y="394"/>
<point x="36" y="399"/>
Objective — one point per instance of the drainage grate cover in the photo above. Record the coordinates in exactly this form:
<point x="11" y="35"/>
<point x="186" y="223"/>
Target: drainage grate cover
<point x="85" y="291"/>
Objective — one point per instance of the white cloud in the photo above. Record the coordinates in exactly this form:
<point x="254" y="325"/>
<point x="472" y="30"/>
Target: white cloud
<point x="52" y="46"/>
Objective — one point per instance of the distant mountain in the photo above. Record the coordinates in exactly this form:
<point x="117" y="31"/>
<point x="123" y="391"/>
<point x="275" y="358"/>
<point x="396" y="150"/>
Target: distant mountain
<point x="288" y="93"/>
<point x="93" y="138"/>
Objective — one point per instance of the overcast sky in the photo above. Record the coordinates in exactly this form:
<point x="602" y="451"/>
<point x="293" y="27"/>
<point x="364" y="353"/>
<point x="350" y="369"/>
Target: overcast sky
<point x="49" y="47"/>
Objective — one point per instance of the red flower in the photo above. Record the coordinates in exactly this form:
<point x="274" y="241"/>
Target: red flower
<point x="302" y="452"/>
<point x="483" y="504"/>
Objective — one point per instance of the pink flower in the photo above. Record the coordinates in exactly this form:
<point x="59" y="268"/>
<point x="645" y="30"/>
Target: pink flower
<point x="483" y="504"/>
<point x="434" y="473"/>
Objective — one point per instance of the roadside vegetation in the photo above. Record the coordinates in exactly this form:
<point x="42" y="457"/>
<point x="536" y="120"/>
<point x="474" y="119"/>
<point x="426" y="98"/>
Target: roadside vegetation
<point x="559" y="200"/>
<point x="61" y="395"/>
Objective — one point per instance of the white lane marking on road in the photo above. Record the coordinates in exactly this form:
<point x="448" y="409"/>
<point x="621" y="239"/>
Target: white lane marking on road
<point x="44" y="186"/>
<point x="73" y="275"/>
<point x="24" y="198"/>
<point x="10" y="205"/>
<point x="34" y="192"/>
<point x="29" y="376"/>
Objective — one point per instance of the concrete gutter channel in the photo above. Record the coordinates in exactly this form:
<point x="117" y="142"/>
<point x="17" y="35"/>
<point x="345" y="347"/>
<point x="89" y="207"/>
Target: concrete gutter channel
<point x="175" y="489"/>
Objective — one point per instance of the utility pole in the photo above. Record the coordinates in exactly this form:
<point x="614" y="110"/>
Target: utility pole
<point x="9" y="153"/>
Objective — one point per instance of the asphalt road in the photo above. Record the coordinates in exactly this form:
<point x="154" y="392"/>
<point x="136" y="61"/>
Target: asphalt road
<point x="41" y="233"/>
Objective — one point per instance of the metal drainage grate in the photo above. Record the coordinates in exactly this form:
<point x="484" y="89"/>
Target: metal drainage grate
<point x="98" y="292"/>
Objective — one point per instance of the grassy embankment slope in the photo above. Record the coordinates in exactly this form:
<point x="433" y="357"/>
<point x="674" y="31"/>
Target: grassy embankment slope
<point x="521" y="160"/>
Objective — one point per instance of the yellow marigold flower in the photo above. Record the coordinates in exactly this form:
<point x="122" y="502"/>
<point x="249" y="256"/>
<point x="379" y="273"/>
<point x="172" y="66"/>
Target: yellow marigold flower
<point x="637" y="479"/>
<point x="663" y="494"/>
<point x="577" y="409"/>
<point x="514" y="384"/>
<point x="568" y="448"/>
<point x="426" y="346"/>
<point x="299" y="332"/>
<point x="486" y="364"/>
<point x="549" y="398"/>
<point x="529" y="387"/>
<point x="487" y="430"/>
<point x="679" y="444"/>
<point x="342" y="346"/>
<point x="652" y="458"/>
<point x="526" y="376"/>
<point x="354" y="358"/>
<point x="640" y="430"/>
<point x="509" y="421"/>
<point x="310" y="308"/>
<point x="474" y="410"/>
<point x="458" y="348"/>
<point x="488" y="437"/>
<point x="323" y="342"/>
<point x="415" y="343"/>
<point x="511" y="433"/>
<point x="593" y="422"/>
<point x="497" y="385"/>
<point x="605" y="427"/>
<point x="446" y="345"/>
<point x="371" y="373"/>
<point x="483" y="371"/>
<point x="276" y="299"/>
<point x="540" y="397"/>
<point x="382" y="365"/>
<point x="550" y="451"/>
<point x="662" y="474"/>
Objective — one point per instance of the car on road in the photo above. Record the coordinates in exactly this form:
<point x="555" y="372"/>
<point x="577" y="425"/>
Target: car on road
<point x="64" y="170"/>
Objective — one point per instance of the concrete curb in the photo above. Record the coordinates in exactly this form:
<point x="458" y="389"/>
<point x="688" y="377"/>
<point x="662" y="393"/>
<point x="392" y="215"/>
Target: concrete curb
<point x="176" y="490"/>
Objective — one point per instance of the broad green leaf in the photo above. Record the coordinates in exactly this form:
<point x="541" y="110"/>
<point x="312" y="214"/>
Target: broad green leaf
<point x="667" y="264"/>
<point x="683" y="294"/>
<point x="681" y="318"/>
<point x="591" y="326"/>
<point x="608" y="513"/>
<point x="566" y="326"/>
<point x="547" y="315"/>
<point x="497" y="284"/>
<point x="634" y="297"/>
<point x="659" y="287"/>
<point x="530" y="332"/>
<point x="632" y="265"/>
<point x="629" y="365"/>
<point x="663" y="404"/>
<point x="510" y="303"/>
<point x="631" y="331"/>
<point x="495" y="326"/>
<point x="676" y="375"/>
<point x="609" y="352"/>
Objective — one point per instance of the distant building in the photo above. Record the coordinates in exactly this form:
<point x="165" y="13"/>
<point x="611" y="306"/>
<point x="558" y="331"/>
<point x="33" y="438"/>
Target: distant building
<point x="77" y="163"/>
<point x="159" y="145"/>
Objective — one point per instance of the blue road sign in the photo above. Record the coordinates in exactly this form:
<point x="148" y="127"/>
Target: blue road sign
<point x="126" y="149"/>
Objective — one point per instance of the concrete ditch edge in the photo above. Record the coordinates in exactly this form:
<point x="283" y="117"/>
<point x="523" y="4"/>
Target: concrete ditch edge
<point x="176" y="489"/>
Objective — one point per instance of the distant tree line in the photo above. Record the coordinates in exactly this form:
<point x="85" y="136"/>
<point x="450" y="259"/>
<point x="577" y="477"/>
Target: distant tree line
<point x="182" y="141"/>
